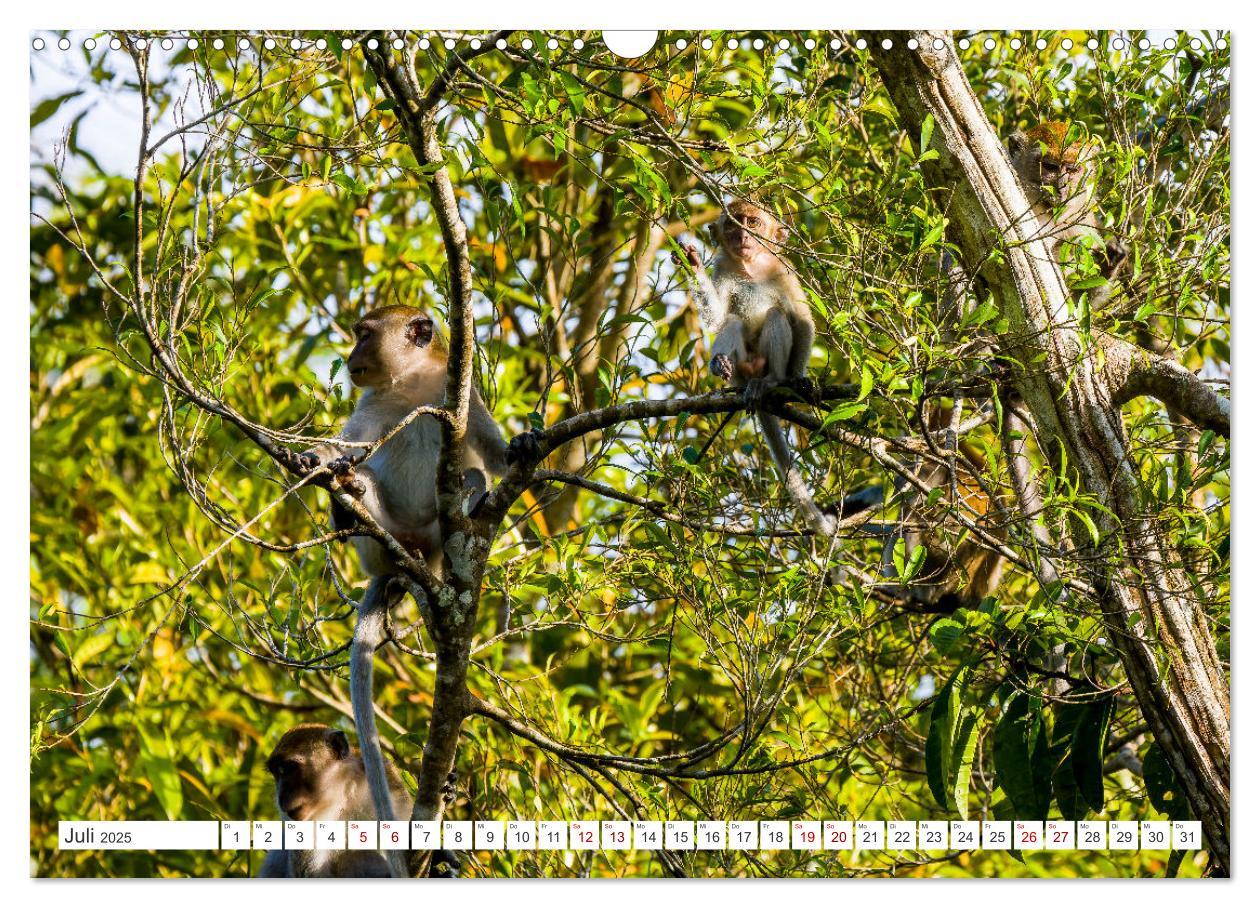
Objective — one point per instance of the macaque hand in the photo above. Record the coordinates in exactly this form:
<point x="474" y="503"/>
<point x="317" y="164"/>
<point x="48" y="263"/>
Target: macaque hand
<point x="445" y="865"/>
<point x="304" y="463"/>
<point x="722" y="366"/>
<point x="690" y="255"/>
<point x="524" y="448"/>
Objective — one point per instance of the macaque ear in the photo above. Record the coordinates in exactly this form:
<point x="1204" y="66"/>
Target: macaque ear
<point x="420" y="330"/>
<point x="715" y="230"/>
<point x="1016" y="142"/>
<point x="781" y="234"/>
<point x="339" y="743"/>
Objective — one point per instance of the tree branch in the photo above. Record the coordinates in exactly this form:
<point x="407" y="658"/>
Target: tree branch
<point x="1177" y="388"/>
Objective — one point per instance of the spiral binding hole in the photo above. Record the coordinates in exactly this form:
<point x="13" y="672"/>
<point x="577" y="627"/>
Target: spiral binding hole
<point x="730" y="41"/>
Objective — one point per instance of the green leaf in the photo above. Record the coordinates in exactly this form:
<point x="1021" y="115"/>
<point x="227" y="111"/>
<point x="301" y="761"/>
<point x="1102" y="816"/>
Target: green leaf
<point x="1021" y="757"/>
<point x="868" y="382"/>
<point x="965" y="739"/>
<point x="917" y="557"/>
<point x="933" y="236"/>
<point x="939" y="750"/>
<point x="1089" y="741"/>
<point x="575" y="91"/>
<point x="925" y="134"/>
<point x="941" y="754"/>
<point x="160" y="772"/>
<point x="92" y="646"/>
<point x="945" y="633"/>
<point x="49" y="106"/>
<point x="1161" y="784"/>
<point x="847" y="410"/>
<point x="1066" y="793"/>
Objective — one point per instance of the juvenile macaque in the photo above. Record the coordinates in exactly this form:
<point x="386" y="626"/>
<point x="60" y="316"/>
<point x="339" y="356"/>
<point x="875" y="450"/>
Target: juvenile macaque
<point x="319" y="776"/>
<point x="763" y="330"/>
<point x="400" y="361"/>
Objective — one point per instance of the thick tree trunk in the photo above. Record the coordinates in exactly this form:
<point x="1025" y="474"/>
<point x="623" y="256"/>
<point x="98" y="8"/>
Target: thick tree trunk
<point x="1147" y="600"/>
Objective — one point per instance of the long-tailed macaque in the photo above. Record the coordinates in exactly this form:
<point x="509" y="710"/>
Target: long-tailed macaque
<point x="957" y="571"/>
<point x="400" y="361"/>
<point x="319" y="776"/>
<point x="1059" y="177"/>
<point x="763" y="330"/>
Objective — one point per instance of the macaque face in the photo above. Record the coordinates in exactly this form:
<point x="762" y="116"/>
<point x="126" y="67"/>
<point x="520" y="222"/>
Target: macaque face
<point x="748" y="232"/>
<point x="387" y="342"/>
<point x="1058" y="177"/>
<point x="1060" y="173"/>
<point x="296" y="780"/>
<point x="299" y="763"/>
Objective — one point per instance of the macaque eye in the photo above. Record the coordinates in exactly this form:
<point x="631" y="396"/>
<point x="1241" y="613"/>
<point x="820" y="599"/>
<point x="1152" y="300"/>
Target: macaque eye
<point x="420" y="331"/>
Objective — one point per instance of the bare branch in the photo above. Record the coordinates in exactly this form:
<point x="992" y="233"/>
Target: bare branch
<point x="1177" y="388"/>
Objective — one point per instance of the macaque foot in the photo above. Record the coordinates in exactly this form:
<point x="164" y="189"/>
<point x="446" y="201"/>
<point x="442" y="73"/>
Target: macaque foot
<point x="755" y="392"/>
<point x="723" y="367"/>
<point x="343" y="472"/>
<point x="804" y="386"/>
<point x="525" y="448"/>
<point x="445" y="865"/>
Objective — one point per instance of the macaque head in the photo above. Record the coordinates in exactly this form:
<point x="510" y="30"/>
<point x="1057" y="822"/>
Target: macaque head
<point x="1045" y="158"/>
<point x="390" y="342"/>
<point x="304" y="765"/>
<point x="746" y="231"/>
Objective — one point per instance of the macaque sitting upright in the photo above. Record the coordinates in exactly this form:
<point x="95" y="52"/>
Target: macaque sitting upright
<point x="763" y="331"/>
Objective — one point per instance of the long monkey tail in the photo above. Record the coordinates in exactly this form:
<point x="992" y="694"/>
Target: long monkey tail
<point x="369" y="632"/>
<point x="823" y="526"/>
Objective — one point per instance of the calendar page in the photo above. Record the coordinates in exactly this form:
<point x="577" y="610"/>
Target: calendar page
<point x="630" y="454"/>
